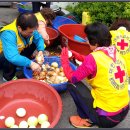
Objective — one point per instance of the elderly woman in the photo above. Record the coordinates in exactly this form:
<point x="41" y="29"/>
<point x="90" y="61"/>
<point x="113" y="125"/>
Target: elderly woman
<point x="107" y="103"/>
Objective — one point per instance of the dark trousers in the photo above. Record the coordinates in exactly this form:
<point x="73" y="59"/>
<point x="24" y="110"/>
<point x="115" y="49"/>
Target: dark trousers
<point x="9" y="69"/>
<point x="84" y="103"/>
<point x="36" y="6"/>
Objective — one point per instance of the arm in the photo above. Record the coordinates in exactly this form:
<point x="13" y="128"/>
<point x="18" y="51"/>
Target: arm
<point x="87" y="69"/>
<point x="39" y="41"/>
<point x="10" y="50"/>
<point x="42" y="30"/>
<point x="12" y="54"/>
<point x="78" y="56"/>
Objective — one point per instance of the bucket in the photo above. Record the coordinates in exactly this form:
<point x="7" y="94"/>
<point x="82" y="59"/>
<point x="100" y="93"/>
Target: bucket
<point x="24" y="7"/>
<point x="35" y="96"/>
<point x="53" y="35"/>
<point x="59" y="87"/>
<point x="61" y="20"/>
<point x="67" y="33"/>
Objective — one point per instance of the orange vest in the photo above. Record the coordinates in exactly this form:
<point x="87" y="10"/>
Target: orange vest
<point x="110" y="92"/>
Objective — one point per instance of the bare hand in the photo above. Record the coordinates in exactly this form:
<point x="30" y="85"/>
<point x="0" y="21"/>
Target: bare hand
<point x="35" y="67"/>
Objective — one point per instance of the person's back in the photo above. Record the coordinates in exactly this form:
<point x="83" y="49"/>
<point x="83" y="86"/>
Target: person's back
<point x="111" y="81"/>
<point x="107" y="103"/>
<point x="120" y="30"/>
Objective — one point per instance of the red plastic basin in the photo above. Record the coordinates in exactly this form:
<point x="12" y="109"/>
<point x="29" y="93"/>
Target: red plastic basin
<point x="53" y="35"/>
<point x="35" y="96"/>
<point x="67" y="33"/>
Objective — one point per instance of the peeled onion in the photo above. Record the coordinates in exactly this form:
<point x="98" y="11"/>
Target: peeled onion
<point x="32" y="126"/>
<point x="32" y="121"/>
<point x="42" y="118"/>
<point x="14" y="126"/>
<point x="45" y="124"/>
<point x="54" y="64"/>
<point x="23" y="124"/>
<point x="9" y="122"/>
<point x="21" y="112"/>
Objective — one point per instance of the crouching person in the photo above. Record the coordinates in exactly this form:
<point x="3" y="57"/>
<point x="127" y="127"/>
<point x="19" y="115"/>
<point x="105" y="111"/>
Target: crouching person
<point x="18" y="42"/>
<point x="107" y="103"/>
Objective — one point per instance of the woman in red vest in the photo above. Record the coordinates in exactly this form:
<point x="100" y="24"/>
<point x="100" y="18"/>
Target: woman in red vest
<point x="107" y="102"/>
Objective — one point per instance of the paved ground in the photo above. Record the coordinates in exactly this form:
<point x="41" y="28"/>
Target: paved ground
<point x="7" y="15"/>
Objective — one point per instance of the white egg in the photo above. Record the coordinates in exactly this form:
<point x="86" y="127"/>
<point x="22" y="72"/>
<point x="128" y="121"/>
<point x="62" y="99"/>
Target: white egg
<point x="42" y="118"/>
<point x="54" y="64"/>
<point x="23" y="124"/>
<point x="45" y="124"/>
<point x="9" y="122"/>
<point x="32" y="121"/>
<point x="21" y="112"/>
<point x="69" y="54"/>
<point x="14" y="126"/>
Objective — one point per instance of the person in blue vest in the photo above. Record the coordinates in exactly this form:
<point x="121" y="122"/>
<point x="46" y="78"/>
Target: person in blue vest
<point x="18" y="41"/>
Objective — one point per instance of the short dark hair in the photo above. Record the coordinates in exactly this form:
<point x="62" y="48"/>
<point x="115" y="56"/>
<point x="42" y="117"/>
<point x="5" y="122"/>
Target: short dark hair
<point x="27" y="20"/>
<point x="48" y="14"/>
<point x="120" y="22"/>
<point x="98" y="33"/>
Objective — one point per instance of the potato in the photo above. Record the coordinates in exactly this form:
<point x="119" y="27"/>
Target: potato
<point x="54" y="64"/>
<point x="61" y="74"/>
<point x="61" y="69"/>
<point x="39" y="59"/>
<point x="57" y="70"/>
<point x="52" y="78"/>
<point x="51" y="73"/>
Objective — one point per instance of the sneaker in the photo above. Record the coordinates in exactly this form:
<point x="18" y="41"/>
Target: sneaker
<point x="14" y="78"/>
<point x="78" y="122"/>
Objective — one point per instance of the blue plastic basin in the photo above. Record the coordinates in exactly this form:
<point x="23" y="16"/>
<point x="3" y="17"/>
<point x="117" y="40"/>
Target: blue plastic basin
<point x="59" y="87"/>
<point x="60" y="20"/>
